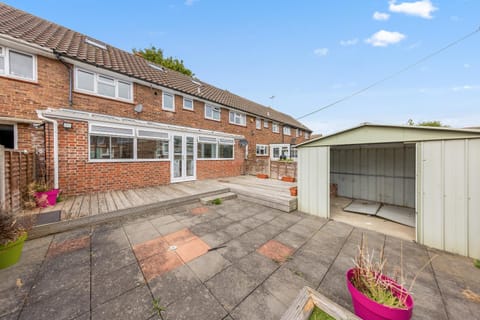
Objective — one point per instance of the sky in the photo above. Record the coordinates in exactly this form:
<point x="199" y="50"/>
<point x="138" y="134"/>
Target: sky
<point x="298" y="56"/>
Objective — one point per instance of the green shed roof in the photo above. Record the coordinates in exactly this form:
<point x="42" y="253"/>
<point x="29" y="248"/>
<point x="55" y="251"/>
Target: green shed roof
<point x="368" y="133"/>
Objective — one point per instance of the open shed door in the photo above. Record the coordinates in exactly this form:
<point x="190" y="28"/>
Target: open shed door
<point x="448" y="199"/>
<point x="314" y="181"/>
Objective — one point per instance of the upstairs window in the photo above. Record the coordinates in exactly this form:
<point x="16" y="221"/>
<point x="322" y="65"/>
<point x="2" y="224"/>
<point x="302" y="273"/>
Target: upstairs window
<point x="275" y="128"/>
<point x="299" y="133"/>
<point x="102" y="85"/>
<point x="262" y="150"/>
<point x="258" y="123"/>
<point x="238" y="118"/>
<point x="265" y="123"/>
<point x="168" y="101"/>
<point x="187" y="103"/>
<point x="286" y="130"/>
<point x="212" y="113"/>
<point x="17" y="64"/>
<point x="307" y="135"/>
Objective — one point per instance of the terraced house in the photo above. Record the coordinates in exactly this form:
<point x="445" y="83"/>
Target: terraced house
<point x="105" y="119"/>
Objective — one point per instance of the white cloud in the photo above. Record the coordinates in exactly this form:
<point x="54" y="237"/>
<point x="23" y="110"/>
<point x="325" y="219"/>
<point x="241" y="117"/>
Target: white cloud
<point x="384" y="38"/>
<point x="466" y="65"/>
<point x="190" y="2"/>
<point x="350" y="42"/>
<point x="321" y="52"/>
<point x="423" y="8"/>
<point x="381" y="16"/>
<point x="466" y="87"/>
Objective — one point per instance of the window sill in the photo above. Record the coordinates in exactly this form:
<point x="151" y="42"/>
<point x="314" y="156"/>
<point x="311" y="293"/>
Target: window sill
<point x="237" y="124"/>
<point x="186" y="109"/>
<point x="168" y="110"/>
<point x="130" y="102"/>
<point x="216" y="159"/>
<point x="213" y="119"/>
<point x="125" y="160"/>
<point x="30" y="81"/>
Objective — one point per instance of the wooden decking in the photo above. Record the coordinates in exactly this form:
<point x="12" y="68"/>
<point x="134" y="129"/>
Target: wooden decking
<point x="268" y="192"/>
<point x="80" y="206"/>
<point x="101" y="206"/>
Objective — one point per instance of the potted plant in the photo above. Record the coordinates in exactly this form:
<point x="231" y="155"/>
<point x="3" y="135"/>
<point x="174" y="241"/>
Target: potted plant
<point x="12" y="238"/>
<point x="42" y="194"/>
<point x="376" y="296"/>
<point x="293" y="191"/>
<point x="262" y="176"/>
<point x="288" y="179"/>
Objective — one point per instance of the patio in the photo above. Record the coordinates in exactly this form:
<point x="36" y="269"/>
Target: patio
<point x="238" y="260"/>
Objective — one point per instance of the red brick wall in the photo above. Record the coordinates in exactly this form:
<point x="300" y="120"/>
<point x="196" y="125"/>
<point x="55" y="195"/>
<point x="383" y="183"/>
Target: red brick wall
<point x="21" y="99"/>
<point x="77" y="175"/>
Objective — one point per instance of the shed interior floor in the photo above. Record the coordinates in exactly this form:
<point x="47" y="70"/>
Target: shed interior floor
<point x="368" y="222"/>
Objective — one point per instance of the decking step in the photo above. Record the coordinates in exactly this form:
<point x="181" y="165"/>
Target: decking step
<point x="286" y="204"/>
<point x="223" y="197"/>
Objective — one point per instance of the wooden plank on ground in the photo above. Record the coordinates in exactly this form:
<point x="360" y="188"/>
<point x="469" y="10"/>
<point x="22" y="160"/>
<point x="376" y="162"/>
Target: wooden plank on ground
<point x="111" y="206"/>
<point x="133" y="198"/>
<point x="76" y="206"/>
<point x="85" y="208"/>
<point x="118" y="199"/>
<point x="94" y="207"/>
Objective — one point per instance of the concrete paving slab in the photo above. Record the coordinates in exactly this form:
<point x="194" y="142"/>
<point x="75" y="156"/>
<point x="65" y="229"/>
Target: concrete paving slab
<point x="170" y="228"/>
<point x="65" y="304"/>
<point x="161" y="221"/>
<point x="235" y="230"/>
<point x="260" y="305"/>
<point x="149" y="248"/>
<point x="252" y="222"/>
<point x="192" y="249"/>
<point x="208" y="265"/>
<point x="285" y="285"/>
<point x="174" y="285"/>
<point x="10" y="316"/>
<point x="111" y="285"/>
<point x="302" y="229"/>
<point x="108" y="241"/>
<point x="199" y="305"/>
<point x="292" y="239"/>
<point x="108" y="262"/>
<point x="134" y="304"/>
<point x="257" y="266"/>
<point x="141" y="232"/>
<point x="231" y="286"/>
<point x="235" y="250"/>
<point x="216" y="238"/>
<point x="276" y="251"/>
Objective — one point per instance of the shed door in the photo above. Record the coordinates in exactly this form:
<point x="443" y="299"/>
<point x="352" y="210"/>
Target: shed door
<point x="449" y="206"/>
<point x="314" y="181"/>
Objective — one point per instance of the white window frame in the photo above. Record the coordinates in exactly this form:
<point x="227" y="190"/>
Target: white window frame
<point x="258" y="123"/>
<point x="217" y="142"/>
<point x="96" y="79"/>
<point x="275" y="127"/>
<point x="307" y="135"/>
<point x="280" y="146"/>
<point x="15" y="133"/>
<point x="6" y="67"/>
<point x="214" y="108"/>
<point x="242" y="117"/>
<point x="264" y="147"/>
<point x="164" y="107"/>
<point x="265" y="123"/>
<point x="287" y="131"/>
<point x="189" y="99"/>
<point x="135" y="134"/>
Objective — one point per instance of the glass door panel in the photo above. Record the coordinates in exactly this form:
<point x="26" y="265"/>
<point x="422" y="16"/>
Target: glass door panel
<point x="190" y="165"/>
<point x="184" y="158"/>
<point x="177" y="156"/>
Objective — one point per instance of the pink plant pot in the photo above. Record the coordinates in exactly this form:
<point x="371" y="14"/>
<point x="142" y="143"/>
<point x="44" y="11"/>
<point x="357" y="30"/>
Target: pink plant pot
<point x="47" y="198"/>
<point x="369" y="309"/>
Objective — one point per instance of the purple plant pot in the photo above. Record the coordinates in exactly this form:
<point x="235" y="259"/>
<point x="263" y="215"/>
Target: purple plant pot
<point x="47" y="198"/>
<point x="368" y="309"/>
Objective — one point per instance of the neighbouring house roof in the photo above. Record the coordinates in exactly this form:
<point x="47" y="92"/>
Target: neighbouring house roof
<point x="27" y="27"/>
<point x="367" y="133"/>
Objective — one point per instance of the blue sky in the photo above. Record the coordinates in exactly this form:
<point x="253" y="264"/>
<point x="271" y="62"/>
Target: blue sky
<point x="306" y="53"/>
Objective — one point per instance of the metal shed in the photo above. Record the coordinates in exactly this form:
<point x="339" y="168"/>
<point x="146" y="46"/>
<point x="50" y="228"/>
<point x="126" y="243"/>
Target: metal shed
<point x="436" y="171"/>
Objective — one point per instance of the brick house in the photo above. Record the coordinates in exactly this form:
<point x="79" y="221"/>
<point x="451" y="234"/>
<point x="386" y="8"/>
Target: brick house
<point x="101" y="118"/>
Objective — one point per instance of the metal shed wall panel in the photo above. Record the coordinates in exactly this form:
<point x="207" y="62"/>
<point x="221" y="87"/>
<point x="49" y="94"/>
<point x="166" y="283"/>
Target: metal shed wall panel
<point x="314" y="181"/>
<point x="383" y="174"/>
<point x="450" y="189"/>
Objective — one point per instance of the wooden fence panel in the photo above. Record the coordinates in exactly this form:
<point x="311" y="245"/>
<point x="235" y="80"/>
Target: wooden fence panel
<point x="279" y="169"/>
<point x="19" y="171"/>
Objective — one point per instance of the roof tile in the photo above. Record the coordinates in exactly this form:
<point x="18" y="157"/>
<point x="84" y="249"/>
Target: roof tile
<point x="22" y="25"/>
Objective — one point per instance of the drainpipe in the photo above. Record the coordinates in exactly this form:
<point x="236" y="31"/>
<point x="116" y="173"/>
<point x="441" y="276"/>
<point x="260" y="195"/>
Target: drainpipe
<point x="70" y="84"/>
<point x="55" y="146"/>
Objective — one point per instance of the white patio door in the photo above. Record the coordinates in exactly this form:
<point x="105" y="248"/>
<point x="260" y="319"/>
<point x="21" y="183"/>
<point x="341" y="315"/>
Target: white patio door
<point x="184" y="158"/>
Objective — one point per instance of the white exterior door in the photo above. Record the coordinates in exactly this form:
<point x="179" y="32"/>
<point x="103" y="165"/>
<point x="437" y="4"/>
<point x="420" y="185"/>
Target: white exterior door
<point x="184" y="158"/>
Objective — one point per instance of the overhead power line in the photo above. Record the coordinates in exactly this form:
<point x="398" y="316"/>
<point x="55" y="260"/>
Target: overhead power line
<point x="376" y="83"/>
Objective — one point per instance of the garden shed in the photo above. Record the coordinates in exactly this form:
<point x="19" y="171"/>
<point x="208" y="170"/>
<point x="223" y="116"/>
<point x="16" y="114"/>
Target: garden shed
<point x="434" y="172"/>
